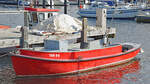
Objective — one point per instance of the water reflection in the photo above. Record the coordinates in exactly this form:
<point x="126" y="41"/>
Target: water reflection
<point x="111" y="75"/>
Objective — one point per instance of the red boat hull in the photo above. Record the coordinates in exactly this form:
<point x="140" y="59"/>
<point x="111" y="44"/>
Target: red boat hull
<point x="110" y="75"/>
<point x="35" y="63"/>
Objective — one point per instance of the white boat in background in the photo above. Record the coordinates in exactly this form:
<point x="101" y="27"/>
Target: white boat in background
<point x="117" y="12"/>
<point x="144" y="17"/>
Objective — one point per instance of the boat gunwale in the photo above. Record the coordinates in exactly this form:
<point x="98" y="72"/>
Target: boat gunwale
<point x="135" y="47"/>
<point x="80" y="50"/>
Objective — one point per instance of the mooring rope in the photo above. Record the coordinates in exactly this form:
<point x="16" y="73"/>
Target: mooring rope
<point x="3" y="55"/>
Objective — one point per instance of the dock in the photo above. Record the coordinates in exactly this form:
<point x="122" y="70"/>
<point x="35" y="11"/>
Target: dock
<point x="10" y="38"/>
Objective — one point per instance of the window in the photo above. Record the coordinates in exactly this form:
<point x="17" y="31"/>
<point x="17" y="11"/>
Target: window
<point x="34" y="17"/>
<point x="41" y="16"/>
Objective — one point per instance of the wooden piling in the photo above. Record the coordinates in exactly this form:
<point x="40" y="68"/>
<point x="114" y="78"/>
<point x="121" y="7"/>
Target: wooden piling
<point x="101" y="23"/>
<point x="24" y="37"/>
<point x="84" y="43"/>
<point x="101" y="18"/>
<point x="65" y="6"/>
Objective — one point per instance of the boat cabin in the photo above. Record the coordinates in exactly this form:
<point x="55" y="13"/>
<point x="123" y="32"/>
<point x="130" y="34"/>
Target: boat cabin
<point x="37" y="15"/>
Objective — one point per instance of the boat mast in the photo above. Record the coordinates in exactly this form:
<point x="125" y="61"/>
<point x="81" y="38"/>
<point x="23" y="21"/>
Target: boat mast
<point x="65" y="6"/>
<point x="44" y="5"/>
<point x="51" y="3"/>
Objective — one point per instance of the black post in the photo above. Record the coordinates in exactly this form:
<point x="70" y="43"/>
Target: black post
<point x="78" y="3"/>
<point x="65" y="6"/>
<point x="24" y="37"/>
<point x="44" y="6"/>
<point x="50" y="3"/>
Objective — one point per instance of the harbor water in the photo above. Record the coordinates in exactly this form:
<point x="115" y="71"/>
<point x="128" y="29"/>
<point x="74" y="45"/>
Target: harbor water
<point x="134" y="72"/>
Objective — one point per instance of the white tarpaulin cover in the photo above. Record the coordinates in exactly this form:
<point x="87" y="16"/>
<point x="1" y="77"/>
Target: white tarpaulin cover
<point x="59" y="23"/>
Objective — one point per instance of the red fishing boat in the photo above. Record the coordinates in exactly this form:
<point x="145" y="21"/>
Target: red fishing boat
<point x="40" y="62"/>
<point x="58" y="57"/>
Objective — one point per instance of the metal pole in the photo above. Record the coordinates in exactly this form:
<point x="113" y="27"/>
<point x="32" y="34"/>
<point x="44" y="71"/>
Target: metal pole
<point x="35" y="3"/>
<point x="44" y="6"/>
<point x="17" y="4"/>
<point x="84" y="1"/>
<point x="51" y="3"/>
<point x="65" y="6"/>
<point x="26" y="21"/>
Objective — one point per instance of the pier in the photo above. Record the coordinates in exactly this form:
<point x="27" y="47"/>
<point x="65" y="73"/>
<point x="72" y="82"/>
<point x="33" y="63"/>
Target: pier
<point x="10" y="38"/>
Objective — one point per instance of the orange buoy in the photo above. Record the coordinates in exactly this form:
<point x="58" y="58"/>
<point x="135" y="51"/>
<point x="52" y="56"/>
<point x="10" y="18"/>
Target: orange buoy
<point x="81" y="6"/>
<point x="4" y="27"/>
